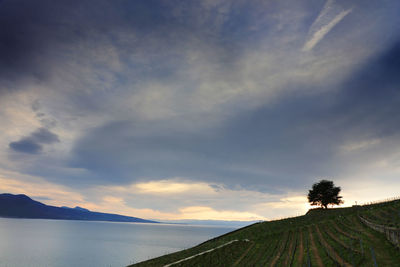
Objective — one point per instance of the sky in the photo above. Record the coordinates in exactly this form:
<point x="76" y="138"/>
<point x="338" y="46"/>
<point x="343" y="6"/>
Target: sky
<point x="206" y="109"/>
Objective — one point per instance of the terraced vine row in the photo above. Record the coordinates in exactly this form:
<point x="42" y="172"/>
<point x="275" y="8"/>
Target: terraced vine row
<point x="320" y="238"/>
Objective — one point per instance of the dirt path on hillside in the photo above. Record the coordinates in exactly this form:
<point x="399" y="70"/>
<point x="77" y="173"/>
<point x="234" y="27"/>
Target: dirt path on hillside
<point x="204" y="252"/>
<point x="339" y="259"/>
<point x="243" y="255"/>
<point x="355" y="227"/>
<point x="280" y="250"/>
<point x="293" y="240"/>
<point x="315" y="250"/>
<point x="340" y="241"/>
<point x="261" y="255"/>
<point x="301" y="249"/>
<point x="334" y="237"/>
<point x="361" y="226"/>
<point x="337" y="228"/>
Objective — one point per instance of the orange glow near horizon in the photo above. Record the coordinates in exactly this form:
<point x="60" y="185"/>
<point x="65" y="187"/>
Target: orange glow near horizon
<point x="113" y="199"/>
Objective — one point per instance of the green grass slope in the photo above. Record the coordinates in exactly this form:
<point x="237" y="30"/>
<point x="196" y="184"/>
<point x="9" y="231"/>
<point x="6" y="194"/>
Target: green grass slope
<point x="334" y="237"/>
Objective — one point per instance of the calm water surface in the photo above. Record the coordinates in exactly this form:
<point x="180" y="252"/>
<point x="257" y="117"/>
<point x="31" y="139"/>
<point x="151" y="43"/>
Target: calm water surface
<point x="56" y="243"/>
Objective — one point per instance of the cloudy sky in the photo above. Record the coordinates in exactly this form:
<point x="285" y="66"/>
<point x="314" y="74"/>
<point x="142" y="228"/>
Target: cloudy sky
<point x="206" y="109"/>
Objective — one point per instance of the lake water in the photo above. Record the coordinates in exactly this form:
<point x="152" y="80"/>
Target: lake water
<point x="57" y="243"/>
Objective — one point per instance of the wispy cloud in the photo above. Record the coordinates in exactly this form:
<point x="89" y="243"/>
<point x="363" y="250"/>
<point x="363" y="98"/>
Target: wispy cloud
<point x="32" y="144"/>
<point x="359" y="145"/>
<point x="325" y="23"/>
<point x="215" y="92"/>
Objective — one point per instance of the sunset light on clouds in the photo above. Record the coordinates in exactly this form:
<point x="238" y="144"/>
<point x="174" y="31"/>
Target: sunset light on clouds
<point x="213" y="110"/>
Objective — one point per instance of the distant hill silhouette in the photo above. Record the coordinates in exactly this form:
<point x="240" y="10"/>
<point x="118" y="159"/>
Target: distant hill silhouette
<point x="22" y="206"/>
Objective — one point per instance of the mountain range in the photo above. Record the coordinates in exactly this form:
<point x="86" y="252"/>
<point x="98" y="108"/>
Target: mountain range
<point x="22" y="206"/>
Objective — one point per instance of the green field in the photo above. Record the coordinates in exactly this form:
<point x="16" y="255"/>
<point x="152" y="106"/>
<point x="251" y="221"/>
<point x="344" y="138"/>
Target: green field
<point x="334" y="237"/>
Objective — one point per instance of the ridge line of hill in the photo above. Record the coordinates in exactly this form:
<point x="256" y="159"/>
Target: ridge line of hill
<point x="22" y="206"/>
<point x="355" y="243"/>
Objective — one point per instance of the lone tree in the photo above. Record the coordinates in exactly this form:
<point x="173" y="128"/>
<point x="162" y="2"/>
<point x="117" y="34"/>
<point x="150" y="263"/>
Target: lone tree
<point x="324" y="193"/>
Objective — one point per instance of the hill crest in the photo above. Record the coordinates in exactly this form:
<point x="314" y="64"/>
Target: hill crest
<point x="22" y="206"/>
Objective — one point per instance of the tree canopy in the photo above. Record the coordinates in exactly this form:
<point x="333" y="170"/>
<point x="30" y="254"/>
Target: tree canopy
<point x="324" y="193"/>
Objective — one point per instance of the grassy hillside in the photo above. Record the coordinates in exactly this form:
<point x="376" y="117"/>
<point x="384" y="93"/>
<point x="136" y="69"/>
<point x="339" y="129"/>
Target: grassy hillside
<point x="319" y="238"/>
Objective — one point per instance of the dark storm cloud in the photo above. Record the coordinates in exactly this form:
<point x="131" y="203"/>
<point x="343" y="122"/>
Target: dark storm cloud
<point x="371" y="98"/>
<point x="285" y="144"/>
<point x="37" y="37"/>
<point x="26" y="146"/>
<point x="44" y="136"/>
<point x="33" y="143"/>
<point x="33" y="34"/>
<point x="27" y="33"/>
